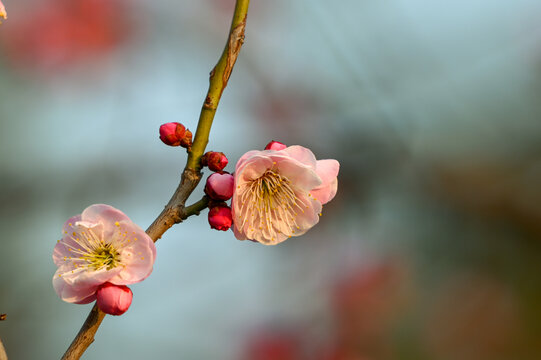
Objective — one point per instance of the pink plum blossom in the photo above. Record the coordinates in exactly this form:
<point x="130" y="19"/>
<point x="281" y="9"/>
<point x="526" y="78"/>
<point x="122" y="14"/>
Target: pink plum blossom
<point x="280" y="193"/>
<point x="220" y="186"/>
<point x="114" y="299"/>
<point x="100" y="245"/>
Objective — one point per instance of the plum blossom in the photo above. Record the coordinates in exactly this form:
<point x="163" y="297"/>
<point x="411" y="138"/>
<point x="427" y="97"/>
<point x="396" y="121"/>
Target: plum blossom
<point x="280" y="193"/>
<point x="100" y="245"/>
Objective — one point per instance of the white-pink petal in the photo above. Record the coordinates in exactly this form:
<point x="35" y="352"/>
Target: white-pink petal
<point x="327" y="170"/>
<point x="302" y="155"/>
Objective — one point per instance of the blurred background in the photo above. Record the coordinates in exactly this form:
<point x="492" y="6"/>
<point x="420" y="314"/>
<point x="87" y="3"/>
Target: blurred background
<point x="430" y="250"/>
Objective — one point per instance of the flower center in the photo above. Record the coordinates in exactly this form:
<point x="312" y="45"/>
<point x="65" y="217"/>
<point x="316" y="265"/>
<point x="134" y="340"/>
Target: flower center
<point x="103" y="256"/>
<point x="92" y="252"/>
<point x="270" y="205"/>
<point x="272" y="190"/>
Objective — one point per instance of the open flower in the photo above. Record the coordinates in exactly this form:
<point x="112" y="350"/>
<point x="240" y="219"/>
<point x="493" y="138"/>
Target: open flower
<point x="100" y="245"/>
<point x="279" y="194"/>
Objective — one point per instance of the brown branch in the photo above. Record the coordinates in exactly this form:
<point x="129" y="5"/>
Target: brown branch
<point x="3" y="355"/>
<point x="175" y="210"/>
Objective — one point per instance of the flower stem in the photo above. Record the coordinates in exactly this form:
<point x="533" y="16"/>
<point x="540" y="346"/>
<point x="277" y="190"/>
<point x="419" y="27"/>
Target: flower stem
<point x="175" y="211"/>
<point x="219" y="76"/>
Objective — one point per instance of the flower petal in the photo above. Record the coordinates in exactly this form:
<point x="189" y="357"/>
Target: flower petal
<point x="139" y="259"/>
<point x="252" y="169"/>
<point x="302" y="155"/>
<point x="298" y="174"/>
<point x="105" y="214"/>
<point x="328" y="172"/>
<point x="246" y="156"/>
<point x="73" y="294"/>
<point x="309" y="216"/>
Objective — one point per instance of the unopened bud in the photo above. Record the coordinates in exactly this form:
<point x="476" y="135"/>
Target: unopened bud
<point x="172" y="133"/>
<point x="220" y="217"/>
<point x="216" y="161"/>
<point x="114" y="299"/>
<point x="220" y="186"/>
<point x="275" y="145"/>
<point x="186" y="141"/>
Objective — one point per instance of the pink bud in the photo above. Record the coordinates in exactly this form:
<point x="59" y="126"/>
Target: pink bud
<point x="220" y="217"/>
<point x="114" y="299"/>
<point x="275" y="145"/>
<point x="172" y="133"/>
<point x="220" y="186"/>
<point x="216" y="161"/>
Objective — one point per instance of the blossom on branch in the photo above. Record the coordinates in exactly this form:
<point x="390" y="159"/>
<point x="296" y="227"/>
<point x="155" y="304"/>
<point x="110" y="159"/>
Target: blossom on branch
<point x="280" y="193"/>
<point x="100" y="245"/>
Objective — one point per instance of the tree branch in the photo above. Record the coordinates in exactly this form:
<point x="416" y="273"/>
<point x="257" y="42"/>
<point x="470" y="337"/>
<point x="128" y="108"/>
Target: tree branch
<point x="175" y="210"/>
<point x="3" y="355"/>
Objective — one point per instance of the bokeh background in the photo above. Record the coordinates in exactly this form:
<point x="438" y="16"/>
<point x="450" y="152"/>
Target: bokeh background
<point x="430" y="250"/>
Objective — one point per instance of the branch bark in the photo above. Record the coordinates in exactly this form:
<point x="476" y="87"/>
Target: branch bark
<point x="175" y="211"/>
<point x="3" y="355"/>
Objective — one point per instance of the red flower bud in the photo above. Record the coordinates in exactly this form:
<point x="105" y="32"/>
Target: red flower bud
<point x="114" y="299"/>
<point x="216" y="161"/>
<point x="186" y="141"/>
<point x="220" y="217"/>
<point x="275" y="145"/>
<point x="172" y="133"/>
<point x="220" y="186"/>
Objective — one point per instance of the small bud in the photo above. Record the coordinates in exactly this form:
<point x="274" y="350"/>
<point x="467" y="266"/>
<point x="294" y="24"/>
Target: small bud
<point x="275" y="145"/>
<point x="114" y="299"/>
<point x="220" y="217"/>
<point x="172" y="133"/>
<point x="186" y="141"/>
<point x="216" y="161"/>
<point x="220" y="186"/>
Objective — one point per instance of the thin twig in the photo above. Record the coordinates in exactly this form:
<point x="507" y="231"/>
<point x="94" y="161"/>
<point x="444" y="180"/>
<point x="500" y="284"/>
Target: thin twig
<point x="175" y="210"/>
<point x="3" y="355"/>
